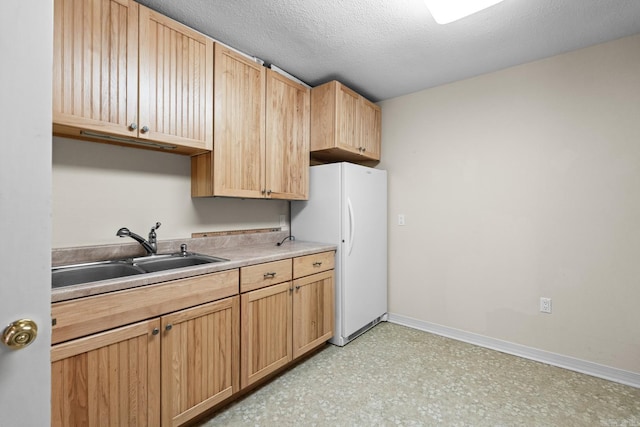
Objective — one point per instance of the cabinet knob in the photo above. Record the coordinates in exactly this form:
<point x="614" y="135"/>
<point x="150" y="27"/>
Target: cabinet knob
<point x="133" y="126"/>
<point x="144" y="129"/>
<point x="268" y="192"/>
<point x="155" y="331"/>
<point x="263" y="191"/>
<point x="297" y="287"/>
<point x="168" y="327"/>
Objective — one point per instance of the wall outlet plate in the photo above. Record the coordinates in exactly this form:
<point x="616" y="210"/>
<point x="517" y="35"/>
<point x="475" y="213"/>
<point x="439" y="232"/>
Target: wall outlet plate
<point x="545" y="305"/>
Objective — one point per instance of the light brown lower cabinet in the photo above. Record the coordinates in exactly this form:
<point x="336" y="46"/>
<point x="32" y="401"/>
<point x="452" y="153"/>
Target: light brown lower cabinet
<point x="312" y="312"/>
<point x="163" y="371"/>
<point x="111" y="378"/>
<point x="266" y="331"/>
<point x="281" y="322"/>
<point x="189" y="344"/>
<point x="200" y="351"/>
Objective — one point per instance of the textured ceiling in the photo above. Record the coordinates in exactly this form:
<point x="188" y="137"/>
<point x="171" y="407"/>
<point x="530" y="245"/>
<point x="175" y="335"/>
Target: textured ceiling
<point x="387" y="48"/>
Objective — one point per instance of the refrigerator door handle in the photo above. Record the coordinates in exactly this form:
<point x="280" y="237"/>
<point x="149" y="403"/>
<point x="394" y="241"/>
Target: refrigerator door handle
<point x="352" y="223"/>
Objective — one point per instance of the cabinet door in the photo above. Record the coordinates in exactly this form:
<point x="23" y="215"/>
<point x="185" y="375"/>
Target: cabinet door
<point x="266" y="332"/>
<point x="370" y="129"/>
<point x="108" y="379"/>
<point x="239" y="120"/>
<point x="199" y="359"/>
<point x="313" y="309"/>
<point x="287" y="138"/>
<point x="176" y="82"/>
<point x="347" y="124"/>
<point x="95" y="65"/>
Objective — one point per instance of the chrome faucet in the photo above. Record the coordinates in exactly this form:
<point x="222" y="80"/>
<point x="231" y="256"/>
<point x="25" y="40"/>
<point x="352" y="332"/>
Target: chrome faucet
<point x="151" y="246"/>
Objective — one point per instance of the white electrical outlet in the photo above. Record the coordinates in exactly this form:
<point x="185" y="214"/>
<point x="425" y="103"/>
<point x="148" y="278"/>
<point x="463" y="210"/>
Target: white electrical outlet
<point x="545" y="305"/>
<point x="401" y="219"/>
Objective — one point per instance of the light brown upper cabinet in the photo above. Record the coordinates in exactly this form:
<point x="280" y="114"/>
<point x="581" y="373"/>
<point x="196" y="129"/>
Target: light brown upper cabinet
<point x="124" y="74"/>
<point x="370" y="129"/>
<point x="287" y="138"/>
<point x="261" y="134"/>
<point x="236" y="165"/>
<point x="344" y="124"/>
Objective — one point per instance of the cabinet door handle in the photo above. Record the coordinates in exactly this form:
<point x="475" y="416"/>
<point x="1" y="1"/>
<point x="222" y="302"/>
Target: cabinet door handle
<point x="133" y="126"/>
<point x="317" y="264"/>
<point x="155" y="331"/>
<point x="297" y="287"/>
<point x="270" y="275"/>
<point x="144" y="129"/>
<point x="168" y="327"/>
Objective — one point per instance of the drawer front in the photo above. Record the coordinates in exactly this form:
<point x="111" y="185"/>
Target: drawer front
<point x="311" y="264"/>
<point x="267" y="274"/>
<point x="84" y="316"/>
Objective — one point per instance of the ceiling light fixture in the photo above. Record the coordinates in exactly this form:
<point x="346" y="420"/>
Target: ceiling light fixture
<point x="445" y="11"/>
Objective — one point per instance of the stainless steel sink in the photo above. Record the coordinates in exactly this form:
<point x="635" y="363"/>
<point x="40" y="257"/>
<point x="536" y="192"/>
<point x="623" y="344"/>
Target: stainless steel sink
<point x="155" y="263"/>
<point x="95" y="271"/>
<point x="92" y="272"/>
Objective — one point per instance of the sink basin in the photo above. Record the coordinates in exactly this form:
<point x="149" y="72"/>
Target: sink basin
<point x="95" y="271"/>
<point x="155" y="263"/>
<point x="92" y="272"/>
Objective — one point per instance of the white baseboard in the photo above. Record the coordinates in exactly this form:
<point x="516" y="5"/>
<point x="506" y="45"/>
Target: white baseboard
<point x="594" y="369"/>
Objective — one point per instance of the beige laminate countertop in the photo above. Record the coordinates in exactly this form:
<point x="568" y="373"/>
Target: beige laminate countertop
<point x="238" y="256"/>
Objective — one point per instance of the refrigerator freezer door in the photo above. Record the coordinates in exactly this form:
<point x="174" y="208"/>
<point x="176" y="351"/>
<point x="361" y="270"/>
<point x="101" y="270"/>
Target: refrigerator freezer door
<point x="364" y="254"/>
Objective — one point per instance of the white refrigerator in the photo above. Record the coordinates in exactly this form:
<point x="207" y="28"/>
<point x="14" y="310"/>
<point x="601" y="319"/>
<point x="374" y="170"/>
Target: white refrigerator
<point x="347" y="207"/>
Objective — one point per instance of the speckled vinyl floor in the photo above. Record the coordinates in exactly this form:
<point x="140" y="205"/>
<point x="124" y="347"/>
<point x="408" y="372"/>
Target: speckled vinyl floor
<point x="397" y="376"/>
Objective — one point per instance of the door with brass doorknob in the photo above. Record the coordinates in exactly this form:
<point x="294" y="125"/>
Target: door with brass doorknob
<point x="25" y="211"/>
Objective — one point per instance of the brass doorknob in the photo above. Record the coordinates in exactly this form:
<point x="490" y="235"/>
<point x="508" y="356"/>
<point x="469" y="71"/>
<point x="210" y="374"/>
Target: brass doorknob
<point x="20" y="334"/>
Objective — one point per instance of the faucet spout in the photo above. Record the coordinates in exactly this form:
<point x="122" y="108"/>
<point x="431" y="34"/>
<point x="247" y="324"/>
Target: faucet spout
<point x="150" y="246"/>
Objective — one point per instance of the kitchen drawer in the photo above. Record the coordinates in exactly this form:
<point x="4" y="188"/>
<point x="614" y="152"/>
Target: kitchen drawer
<point x="311" y="264"/>
<point x="267" y="274"/>
<point x="84" y="316"/>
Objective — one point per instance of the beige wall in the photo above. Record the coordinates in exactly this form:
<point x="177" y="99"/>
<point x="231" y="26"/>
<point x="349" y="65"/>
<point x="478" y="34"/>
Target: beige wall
<point x="519" y="184"/>
<point x="98" y="188"/>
